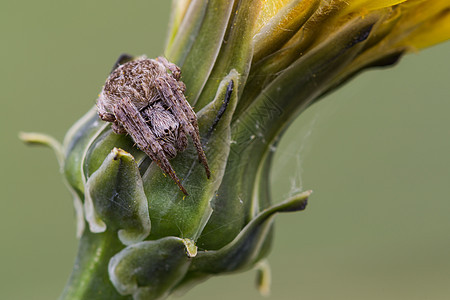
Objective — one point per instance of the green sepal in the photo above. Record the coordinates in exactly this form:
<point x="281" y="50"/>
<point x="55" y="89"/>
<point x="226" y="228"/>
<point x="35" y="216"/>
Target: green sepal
<point x="263" y="277"/>
<point x="174" y="214"/>
<point x="197" y="52"/>
<point x="185" y="18"/>
<point x="115" y="199"/>
<point x="149" y="270"/>
<point x="35" y="138"/>
<point x="236" y="50"/>
<point x="49" y="141"/>
<point x="358" y="66"/>
<point x="384" y="26"/>
<point x="101" y="147"/>
<point x="76" y="142"/>
<point x="243" y="251"/>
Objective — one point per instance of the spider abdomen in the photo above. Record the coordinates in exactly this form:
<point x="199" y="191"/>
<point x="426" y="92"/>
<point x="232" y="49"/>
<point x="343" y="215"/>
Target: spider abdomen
<point x="166" y="128"/>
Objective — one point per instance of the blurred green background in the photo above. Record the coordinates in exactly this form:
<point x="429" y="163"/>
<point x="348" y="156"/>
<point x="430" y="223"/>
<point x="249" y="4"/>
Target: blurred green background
<point x="376" y="154"/>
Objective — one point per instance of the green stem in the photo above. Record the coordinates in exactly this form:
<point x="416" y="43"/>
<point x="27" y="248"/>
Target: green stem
<point x="89" y="278"/>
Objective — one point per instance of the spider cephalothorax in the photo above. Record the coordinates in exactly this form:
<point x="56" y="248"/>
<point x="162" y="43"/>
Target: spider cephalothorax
<point x="145" y="98"/>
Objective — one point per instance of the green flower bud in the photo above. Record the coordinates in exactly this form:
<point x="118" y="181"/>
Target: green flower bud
<point x="249" y="70"/>
<point x="153" y="239"/>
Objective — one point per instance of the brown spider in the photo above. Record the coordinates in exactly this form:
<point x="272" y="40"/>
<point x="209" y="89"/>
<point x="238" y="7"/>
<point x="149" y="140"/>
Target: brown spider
<point x="145" y="98"/>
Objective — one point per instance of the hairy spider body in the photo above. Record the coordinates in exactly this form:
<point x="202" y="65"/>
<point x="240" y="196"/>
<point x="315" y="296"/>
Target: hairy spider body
<point x="145" y="98"/>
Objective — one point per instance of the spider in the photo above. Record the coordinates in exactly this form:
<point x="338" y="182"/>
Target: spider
<point x="145" y="98"/>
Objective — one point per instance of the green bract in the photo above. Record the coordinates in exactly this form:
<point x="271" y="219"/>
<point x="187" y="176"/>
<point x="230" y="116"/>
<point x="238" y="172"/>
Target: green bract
<point x="141" y="238"/>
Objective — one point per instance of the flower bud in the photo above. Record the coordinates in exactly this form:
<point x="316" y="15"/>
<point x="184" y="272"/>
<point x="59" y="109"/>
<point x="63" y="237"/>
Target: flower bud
<point x="155" y="239"/>
<point x="250" y="67"/>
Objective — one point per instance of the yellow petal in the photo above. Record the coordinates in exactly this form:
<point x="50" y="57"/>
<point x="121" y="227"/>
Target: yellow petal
<point x="422" y="23"/>
<point x="372" y="4"/>
<point x="432" y="32"/>
<point x="269" y="9"/>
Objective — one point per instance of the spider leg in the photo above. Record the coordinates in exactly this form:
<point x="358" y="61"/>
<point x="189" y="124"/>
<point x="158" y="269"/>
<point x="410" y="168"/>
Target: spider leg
<point x="118" y="128"/>
<point x="130" y="118"/>
<point x="167" y="86"/>
<point x="187" y="109"/>
<point x="104" y="114"/>
<point x="176" y="72"/>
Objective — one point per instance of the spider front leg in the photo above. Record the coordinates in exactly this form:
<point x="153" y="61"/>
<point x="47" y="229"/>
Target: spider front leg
<point x="170" y="93"/>
<point x="109" y="117"/>
<point x="103" y="112"/>
<point x="173" y="68"/>
<point x="130" y="118"/>
<point x="185" y="106"/>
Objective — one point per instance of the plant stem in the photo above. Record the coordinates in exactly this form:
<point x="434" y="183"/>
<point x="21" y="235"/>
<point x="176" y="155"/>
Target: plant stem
<point x="89" y="278"/>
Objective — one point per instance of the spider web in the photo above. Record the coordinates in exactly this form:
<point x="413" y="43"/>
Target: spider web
<point x="293" y="149"/>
